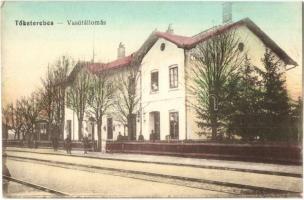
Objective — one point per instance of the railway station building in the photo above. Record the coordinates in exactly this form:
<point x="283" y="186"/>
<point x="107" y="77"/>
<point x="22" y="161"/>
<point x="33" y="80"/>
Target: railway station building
<point x="165" y="60"/>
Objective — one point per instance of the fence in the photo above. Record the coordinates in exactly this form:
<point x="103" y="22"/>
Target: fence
<point x="272" y="153"/>
<point x="46" y="144"/>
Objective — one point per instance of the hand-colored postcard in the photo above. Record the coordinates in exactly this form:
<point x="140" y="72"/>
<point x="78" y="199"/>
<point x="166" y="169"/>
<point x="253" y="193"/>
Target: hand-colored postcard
<point x="144" y="99"/>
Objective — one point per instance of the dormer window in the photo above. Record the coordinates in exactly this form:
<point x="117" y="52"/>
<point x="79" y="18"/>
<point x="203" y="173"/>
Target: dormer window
<point x="154" y="81"/>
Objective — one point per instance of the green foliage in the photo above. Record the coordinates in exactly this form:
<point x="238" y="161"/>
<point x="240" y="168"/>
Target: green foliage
<point x="275" y="100"/>
<point x="296" y="121"/>
<point x="216" y="69"/>
<point x="251" y="102"/>
<point x="246" y="103"/>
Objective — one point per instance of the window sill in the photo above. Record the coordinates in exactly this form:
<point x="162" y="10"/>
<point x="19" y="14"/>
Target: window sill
<point x="154" y="92"/>
<point x="173" y="89"/>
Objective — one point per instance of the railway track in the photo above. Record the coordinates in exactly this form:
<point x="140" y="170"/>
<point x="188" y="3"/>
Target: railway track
<point x="35" y="186"/>
<point x="277" y="173"/>
<point x="223" y="187"/>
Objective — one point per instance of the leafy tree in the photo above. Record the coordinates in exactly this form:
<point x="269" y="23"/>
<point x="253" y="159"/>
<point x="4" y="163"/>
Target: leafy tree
<point x="216" y="67"/>
<point x="275" y="99"/>
<point x="296" y="120"/>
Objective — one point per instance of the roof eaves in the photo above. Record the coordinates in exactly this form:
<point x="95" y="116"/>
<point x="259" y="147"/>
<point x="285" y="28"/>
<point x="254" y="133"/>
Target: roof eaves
<point x="269" y="42"/>
<point x="74" y="72"/>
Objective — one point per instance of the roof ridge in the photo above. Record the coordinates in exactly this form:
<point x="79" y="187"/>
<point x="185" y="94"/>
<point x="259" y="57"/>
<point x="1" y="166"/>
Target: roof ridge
<point x="188" y="42"/>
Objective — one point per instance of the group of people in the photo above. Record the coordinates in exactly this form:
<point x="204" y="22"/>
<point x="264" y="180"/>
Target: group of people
<point x="68" y="144"/>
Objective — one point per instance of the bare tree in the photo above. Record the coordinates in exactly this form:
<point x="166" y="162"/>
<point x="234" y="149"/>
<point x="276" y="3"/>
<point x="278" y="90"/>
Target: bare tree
<point x="13" y="118"/>
<point x="215" y="66"/>
<point x="77" y="95"/>
<point x="100" y="98"/>
<point x="61" y="70"/>
<point x="53" y="99"/>
<point x="6" y="120"/>
<point x="17" y="123"/>
<point x="48" y="98"/>
<point x="127" y="98"/>
<point x="30" y="108"/>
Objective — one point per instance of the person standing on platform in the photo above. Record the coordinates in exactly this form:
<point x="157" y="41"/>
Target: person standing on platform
<point x="68" y="144"/>
<point x="85" y="144"/>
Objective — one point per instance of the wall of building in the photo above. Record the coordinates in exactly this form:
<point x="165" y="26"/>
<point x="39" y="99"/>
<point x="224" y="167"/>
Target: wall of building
<point x="164" y="100"/>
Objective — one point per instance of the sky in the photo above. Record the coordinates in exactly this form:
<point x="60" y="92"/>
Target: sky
<point x="28" y="50"/>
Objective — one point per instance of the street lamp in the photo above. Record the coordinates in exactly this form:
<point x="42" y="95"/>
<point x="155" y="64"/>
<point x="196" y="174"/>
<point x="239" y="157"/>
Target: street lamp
<point x="214" y="98"/>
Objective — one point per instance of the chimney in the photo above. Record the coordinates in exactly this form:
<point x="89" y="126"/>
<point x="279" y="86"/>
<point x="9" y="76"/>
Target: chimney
<point x="121" y="51"/>
<point x="170" y="29"/>
<point x="227" y="12"/>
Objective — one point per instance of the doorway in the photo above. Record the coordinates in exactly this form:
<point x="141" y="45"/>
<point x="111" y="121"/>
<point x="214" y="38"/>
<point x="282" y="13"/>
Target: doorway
<point x="155" y="125"/>
<point x="174" y="125"/>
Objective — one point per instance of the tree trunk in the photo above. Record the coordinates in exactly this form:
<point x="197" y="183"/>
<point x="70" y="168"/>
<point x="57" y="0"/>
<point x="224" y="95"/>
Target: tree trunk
<point x="132" y="127"/>
<point x="49" y="130"/>
<point x="99" y="125"/>
<point x="30" y="134"/>
<point x="18" y="135"/>
<point x="80" y="129"/>
<point x="213" y="118"/>
<point x="62" y="115"/>
<point x="213" y="127"/>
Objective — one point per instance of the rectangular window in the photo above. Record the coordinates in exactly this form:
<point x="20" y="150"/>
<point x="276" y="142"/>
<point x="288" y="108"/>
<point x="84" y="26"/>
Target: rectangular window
<point x="154" y="81"/>
<point x="173" y="119"/>
<point x="173" y="77"/>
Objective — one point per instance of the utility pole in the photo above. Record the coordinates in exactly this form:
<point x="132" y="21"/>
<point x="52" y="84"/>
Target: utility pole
<point x="93" y="55"/>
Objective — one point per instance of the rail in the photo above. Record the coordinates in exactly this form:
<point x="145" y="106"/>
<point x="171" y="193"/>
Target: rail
<point x="39" y="187"/>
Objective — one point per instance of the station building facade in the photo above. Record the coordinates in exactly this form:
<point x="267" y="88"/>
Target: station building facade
<point x="164" y="107"/>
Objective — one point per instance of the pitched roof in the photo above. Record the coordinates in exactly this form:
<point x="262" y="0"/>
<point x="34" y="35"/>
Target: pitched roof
<point x="191" y="42"/>
<point x="187" y="42"/>
<point x="121" y="62"/>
